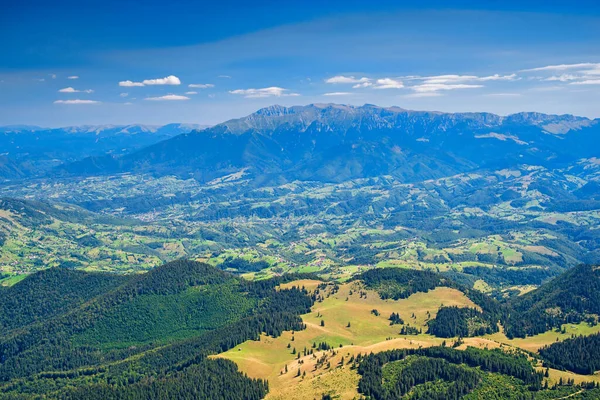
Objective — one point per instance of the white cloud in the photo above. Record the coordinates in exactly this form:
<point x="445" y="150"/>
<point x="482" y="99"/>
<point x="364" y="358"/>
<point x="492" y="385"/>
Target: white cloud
<point x="503" y="95"/>
<point x="362" y="85"/>
<point x="73" y="77"/>
<point x="388" y="83"/>
<point x="273" y="91"/>
<point x="168" y="97"/>
<point x="53" y="76"/>
<point x="76" y="102"/>
<point x="452" y="79"/>
<point x="435" y="87"/>
<point x="72" y="90"/>
<point x="337" y="94"/>
<point x="587" y="82"/>
<point x="562" y="78"/>
<point x="169" y="80"/>
<point x="191" y="92"/>
<point x="562" y="67"/>
<point x="124" y="94"/>
<point x="347" y="79"/>
<point x="130" y="84"/>
<point x="424" y="94"/>
<point x="224" y="76"/>
<point x="201" y="85"/>
<point x="574" y="74"/>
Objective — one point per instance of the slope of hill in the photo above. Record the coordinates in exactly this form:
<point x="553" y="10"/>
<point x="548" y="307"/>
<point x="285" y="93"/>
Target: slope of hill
<point x="101" y="336"/>
<point x="329" y="142"/>
<point x="571" y="297"/>
<point x="49" y="293"/>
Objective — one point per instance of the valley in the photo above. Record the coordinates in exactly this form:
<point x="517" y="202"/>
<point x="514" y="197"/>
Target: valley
<point x="427" y="271"/>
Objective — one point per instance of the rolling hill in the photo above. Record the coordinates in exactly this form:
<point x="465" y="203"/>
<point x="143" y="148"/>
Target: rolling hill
<point x="571" y="297"/>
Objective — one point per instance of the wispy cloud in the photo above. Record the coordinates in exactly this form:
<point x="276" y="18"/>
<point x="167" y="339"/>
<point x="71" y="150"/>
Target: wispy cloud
<point x="423" y="94"/>
<point x="435" y="87"/>
<point x="587" y="82"/>
<point x="73" y="77"/>
<point x="191" y="92"/>
<point x="124" y="94"/>
<point x="77" y="101"/>
<point x="503" y="94"/>
<point x="562" y="78"/>
<point x="574" y="74"/>
<point x="428" y="83"/>
<point x="337" y="94"/>
<point x="73" y="90"/>
<point x="563" y="67"/>
<point x="168" y="97"/>
<point x="224" y="76"/>
<point x="452" y="79"/>
<point x="437" y="83"/>
<point x="201" y="85"/>
<point x="273" y="91"/>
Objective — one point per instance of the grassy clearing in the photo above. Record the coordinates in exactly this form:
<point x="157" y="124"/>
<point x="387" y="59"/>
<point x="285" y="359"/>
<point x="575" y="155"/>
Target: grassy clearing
<point x="13" y="279"/>
<point x="268" y="357"/>
<point x="534" y="343"/>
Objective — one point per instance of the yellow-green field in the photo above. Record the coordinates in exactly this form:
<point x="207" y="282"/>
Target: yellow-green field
<point x="269" y="357"/>
<point x="534" y="343"/>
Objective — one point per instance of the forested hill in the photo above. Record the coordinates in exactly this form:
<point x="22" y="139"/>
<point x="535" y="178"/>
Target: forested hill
<point x="73" y="332"/>
<point x="49" y="293"/>
<point x="333" y="143"/>
<point x="571" y="297"/>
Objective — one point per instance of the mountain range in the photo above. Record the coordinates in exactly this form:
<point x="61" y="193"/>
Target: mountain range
<point x="32" y="150"/>
<point x="334" y="143"/>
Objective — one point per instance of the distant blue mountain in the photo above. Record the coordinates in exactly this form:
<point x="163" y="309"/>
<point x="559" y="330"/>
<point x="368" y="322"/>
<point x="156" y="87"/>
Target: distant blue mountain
<point x="30" y="150"/>
<point x="331" y="142"/>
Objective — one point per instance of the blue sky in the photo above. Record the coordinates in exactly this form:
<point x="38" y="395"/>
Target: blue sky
<point x="117" y="62"/>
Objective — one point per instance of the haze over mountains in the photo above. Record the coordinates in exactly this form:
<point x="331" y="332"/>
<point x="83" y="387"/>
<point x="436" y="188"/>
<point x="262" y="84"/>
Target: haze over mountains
<point x="333" y="143"/>
<point x="33" y="150"/>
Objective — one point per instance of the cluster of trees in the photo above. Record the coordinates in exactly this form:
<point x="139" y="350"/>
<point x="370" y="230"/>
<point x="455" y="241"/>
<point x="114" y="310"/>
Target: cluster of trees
<point x="381" y="380"/>
<point x="243" y="265"/>
<point x="210" y="379"/>
<point x="398" y="283"/>
<point x="410" y="330"/>
<point x="502" y="276"/>
<point x="579" y="354"/>
<point x="460" y="321"/>
<point x="395" y="319"/>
